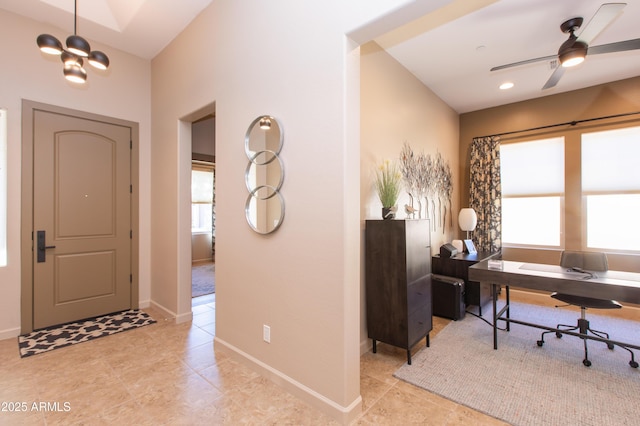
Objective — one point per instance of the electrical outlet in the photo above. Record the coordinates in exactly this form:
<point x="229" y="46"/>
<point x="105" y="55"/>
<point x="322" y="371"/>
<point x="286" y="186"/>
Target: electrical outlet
<point x="266" y="333"/>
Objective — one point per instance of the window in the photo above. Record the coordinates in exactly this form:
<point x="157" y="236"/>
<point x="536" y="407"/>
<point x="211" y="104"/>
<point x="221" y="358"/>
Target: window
<point x="532" y="179"/>
<point x="202" y="181"/>
<point x="611" y="189"/>
<point x="3" y="187"/>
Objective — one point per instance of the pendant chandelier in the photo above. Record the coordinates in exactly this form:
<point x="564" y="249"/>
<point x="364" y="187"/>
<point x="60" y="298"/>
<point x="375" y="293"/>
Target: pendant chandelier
<point x="73" y="56"/>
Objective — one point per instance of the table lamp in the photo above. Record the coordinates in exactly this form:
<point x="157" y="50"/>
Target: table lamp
<point x="467" y="220"/>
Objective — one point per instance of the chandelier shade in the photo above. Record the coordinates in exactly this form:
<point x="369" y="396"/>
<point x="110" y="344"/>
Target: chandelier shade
<point x="77" y="48"/>
<point x="99" y="60"/>
<point x="75" y="74"/>
<point x="49" y="44"/>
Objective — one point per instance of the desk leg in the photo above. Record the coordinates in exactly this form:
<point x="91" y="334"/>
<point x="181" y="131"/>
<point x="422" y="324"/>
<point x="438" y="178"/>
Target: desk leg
<point x="508" y="307"/>
<point x="494" y="296"/>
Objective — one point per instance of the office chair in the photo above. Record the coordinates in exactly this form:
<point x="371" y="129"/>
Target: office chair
<point x="587" y="262"/>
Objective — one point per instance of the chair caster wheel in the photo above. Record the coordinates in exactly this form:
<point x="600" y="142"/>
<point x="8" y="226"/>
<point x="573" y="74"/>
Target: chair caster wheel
<point x="559" y="335"/>
<point x="586" y="363"/>
<point x="610" y="346"/>
<point x="633" y="364"/>
<point x="540" y="342"/>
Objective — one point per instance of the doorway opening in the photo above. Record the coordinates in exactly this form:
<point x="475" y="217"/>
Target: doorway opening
<point x="203" y="217"/>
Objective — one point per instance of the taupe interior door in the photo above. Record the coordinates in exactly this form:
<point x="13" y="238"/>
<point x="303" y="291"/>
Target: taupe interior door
<point x="81" y="218"/>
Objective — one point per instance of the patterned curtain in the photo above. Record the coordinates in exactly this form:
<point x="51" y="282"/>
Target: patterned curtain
<point x="485" y="195"/>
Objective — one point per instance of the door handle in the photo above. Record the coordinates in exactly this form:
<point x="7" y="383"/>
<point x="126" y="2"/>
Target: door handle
<point x="42" y="246"/>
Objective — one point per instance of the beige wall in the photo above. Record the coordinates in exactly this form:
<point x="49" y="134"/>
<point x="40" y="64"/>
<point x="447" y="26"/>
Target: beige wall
<point x="395" y="107"/>
<point x="599" y="101"/>
<point x="201" y="248"/>
<point x="293" y="61"/>
<point x="122" y="92"/>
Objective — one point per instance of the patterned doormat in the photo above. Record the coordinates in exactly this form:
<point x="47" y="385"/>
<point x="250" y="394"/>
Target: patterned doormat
<point x="59" y="336"/>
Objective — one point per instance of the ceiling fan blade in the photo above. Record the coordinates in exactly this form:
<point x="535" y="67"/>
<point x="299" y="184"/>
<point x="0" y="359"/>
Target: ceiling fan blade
<point x="555" y="78"/>
<point x="528" y="61"/>
<point x="619" y="46"/>
<point x="603" y="17"/>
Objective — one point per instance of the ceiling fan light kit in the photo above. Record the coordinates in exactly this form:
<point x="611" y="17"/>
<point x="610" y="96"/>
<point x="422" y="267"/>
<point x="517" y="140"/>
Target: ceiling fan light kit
<point x="574" y="50"/>
<point x="77" y="48"/>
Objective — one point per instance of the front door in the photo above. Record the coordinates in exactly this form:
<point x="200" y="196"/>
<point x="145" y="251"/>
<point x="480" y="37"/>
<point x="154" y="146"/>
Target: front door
<point x="81" y="218"/>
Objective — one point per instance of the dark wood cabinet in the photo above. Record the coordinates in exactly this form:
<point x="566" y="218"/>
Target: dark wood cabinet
<point x="398" y="282"/>
<point x="476" y="294"/>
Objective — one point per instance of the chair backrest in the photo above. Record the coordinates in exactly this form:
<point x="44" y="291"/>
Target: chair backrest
<point x="591" y="261"/>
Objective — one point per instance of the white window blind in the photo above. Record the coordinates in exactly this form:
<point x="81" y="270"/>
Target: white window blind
<point x="532" y="168"/>
<point x="532" y="179"/>
<point x="201" y="186"/>
<point x="610" y="160"/>
<point x="611" y="188"/>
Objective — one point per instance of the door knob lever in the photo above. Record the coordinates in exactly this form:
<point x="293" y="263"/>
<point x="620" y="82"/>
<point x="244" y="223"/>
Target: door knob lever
<point x="42" y="246"/>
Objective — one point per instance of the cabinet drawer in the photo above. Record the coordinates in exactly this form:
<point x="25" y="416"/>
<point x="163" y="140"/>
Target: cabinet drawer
<point x="419" y="324"/>
<point x="418" y="294"/>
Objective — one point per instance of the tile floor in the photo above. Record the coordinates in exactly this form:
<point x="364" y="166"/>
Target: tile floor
<point x="168" y="374"/>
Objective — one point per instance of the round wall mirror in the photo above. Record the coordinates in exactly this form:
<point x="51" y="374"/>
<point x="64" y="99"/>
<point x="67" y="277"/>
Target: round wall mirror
<point x="264" y="174"/>
<point x="264" y="134"/>
<point x="260" y="174"/>
<point x="264" y="209"/>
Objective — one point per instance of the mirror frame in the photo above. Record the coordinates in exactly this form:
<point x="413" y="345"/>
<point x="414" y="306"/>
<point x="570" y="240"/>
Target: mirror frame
<point x="247" y="209"/>
<point x="254" y="164"/>
<point x="247" y="136"/>
<point x="256" y="160"/>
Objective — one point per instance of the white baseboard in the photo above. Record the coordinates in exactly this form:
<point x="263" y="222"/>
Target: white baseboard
<point x="9" y="333"/>
<point x="165" y="311"/>
<point x="186" y="317"/>
<point x="169" y="313"/>
<point x="343" y="414"/>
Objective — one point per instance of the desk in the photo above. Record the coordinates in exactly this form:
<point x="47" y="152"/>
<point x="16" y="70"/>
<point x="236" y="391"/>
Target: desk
<point x="475" y="293"/>
<point x="617" y="285"/>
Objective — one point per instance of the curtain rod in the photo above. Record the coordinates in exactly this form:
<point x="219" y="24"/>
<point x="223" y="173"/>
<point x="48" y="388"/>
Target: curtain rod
<point x="568" y="123"/>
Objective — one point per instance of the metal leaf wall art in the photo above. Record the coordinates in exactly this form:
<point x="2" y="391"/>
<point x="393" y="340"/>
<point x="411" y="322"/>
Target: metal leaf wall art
<point x="427" y="179"/>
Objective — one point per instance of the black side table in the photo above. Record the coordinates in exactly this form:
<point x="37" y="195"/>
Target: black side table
<point x="477" y="294"/>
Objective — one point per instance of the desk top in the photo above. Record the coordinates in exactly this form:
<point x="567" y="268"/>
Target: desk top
<point x="618" y="285"/>
<point x="475" y="257"/>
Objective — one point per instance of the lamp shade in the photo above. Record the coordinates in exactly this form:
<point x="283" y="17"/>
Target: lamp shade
<point x="98" y="60"/>
<point x="467" y="219"/>
<point x="49" y="44"/>
<point x="572" y="52"/>
<point x="78" y="46"/>
<point x="75" y="74"/>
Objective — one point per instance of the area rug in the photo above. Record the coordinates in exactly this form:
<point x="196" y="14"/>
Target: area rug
<point x="203" y="279"/>
<point x="60" y="336"/>
<point x="523" y="384"/>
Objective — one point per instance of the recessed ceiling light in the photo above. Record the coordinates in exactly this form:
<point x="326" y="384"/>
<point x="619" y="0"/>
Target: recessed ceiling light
<point x="506" y="85"/>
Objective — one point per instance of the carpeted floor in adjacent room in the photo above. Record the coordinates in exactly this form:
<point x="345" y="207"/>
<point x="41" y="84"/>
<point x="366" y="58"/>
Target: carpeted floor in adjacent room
<point x="203" y="279"/>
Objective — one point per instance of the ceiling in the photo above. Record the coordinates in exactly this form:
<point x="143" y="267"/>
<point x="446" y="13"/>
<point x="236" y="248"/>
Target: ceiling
<point x="139" y="27"/>
<point x="453" y="59"/>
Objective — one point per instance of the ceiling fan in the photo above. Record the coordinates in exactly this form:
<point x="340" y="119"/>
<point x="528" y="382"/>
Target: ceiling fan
<point x="575" y="49"/>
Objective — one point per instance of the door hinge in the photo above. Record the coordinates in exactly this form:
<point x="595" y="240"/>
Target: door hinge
<point x="131" y="144"/>
<point x="130" y="278"/>
<point x="131" y="234"/>
<point x="131" y="189"/>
